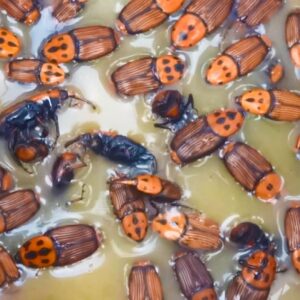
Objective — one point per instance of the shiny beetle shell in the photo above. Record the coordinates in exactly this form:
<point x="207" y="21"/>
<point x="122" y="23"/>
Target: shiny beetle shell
<point x="205" y="135"/>
<point x="10" y="44"/>
<point x="189" y="229"/>
<point x="255" y="12"/>
<point x="130" y="208"/>
<point x="64" y="10"/>
<point x="25" y="11"/>
<point x="277" y="105"/>
<point x="34" y="71"/>
<point x="200" y="18"/>
<point x="256" y="278"/>
<point x="292" y="228"/>
<point x="238" y="60"/>
<point x="292" y="36"/>
<point x="195" y="281"/>
<point x="61" y="246"/>
<point x="16" y="208"/>
<point x="6" y="180"/>
<point x="142" y="15"/>
<point x="147" y="74"/>
<point x="81" y="44"/>
<point x="252" y="171"/>
<point x="8" y="270"/>
<point x="144" y="282"/>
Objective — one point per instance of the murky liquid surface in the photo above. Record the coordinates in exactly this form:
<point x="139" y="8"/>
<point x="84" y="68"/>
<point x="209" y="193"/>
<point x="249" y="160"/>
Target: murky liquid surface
<point x="207" y="184"/>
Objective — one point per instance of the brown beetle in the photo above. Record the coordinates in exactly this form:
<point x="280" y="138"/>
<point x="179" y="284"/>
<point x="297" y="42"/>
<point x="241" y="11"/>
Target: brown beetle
<point x="16" y="208"/>
<point x="255" y="12"/>
<point x="238" y="60"/>
<point x="64" y="10"/>
<point x="200" y="18"/>
<point x="276" y="105"/>
<point x="144" y="282"/>
<point x="275" y="72"/>
<point x="25" y="11"/>
<point x="159" y="189"/>
<point x="292" y="36"/>
<point x="34" y="71"/>
<point x="81" y="44"/>
<point x="205" y="135"/>
<point x="147" y="74"/>
<point x="142" y="15"/>
<point x="297" y="146"/>
<point x="10" y="44"/>
<point x="189" y="228"/>
<point x="194" y="279"/>
<point x="61" y="246"/>
<point x="292" y="227"/>
<point x="6" y="180"/>
<point x="252" y="170"/>
<point x="8" y="269"/>
<point x="256" y="278"/>
<point x="130" y="208"/>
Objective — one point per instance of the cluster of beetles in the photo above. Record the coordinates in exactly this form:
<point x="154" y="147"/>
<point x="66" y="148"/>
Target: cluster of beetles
<point x="139" y="197"/>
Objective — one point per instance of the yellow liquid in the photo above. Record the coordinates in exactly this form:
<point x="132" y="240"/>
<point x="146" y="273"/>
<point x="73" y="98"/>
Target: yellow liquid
<point x="207" y="185"/>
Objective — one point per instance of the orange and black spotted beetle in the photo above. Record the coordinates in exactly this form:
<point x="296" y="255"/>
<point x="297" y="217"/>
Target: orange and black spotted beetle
<point x="205" y="135"/>
<point x="144" y="282"/>
<point x="142" y="15"/>
<point x="195" y="281"/>
<point x="8" y="269"/>
<point x="10" y="44"/>
<point x="25" y="11"/>
<point x="60" y="246"/>
<point x="188" y="227"/>
<point x="238" y="60"/>
<point x="64" y="10"/>
<point x="200" y="18"/>
<point x="292" y="36"/>
<point x="129" y="207"/>
<point x="276" y="105"/>
<point x="147" y="74"/>
<point x="292" y="227"/>
<point x="34" y="71"/>
<point x="81" y="44"/>
<point x="252" y="170"/>
<point x="255" y="280"/>
<point x="6" y="180"/>
<point x="16" y="208"/>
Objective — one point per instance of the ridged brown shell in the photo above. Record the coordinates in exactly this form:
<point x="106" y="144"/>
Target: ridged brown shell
<point x="292" y="228"/>
<point x="64" y="10"/>
<point x="8" y="269"/>
<point x="6" y="180"/>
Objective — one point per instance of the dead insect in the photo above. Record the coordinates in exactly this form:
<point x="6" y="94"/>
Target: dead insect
<point x="170" y="106"/>
<point x="10" y="44"/>
<point x="255" y="280"/>
<point x="252" y="171"/>
<point x="292" y="226"/>
<point x="159" y="189"/>
<point x="139" y="16"/>
<point x="255" y="12"/>
<point x="115" y="147"/>
<point x="292" y="36"/>
<point x="81" y="44"/>
<point x="61" y="246"/>
<point x="238" y="60"/>
<point x="64" y="10"/>
<point x="25" y="11"/>
<point x="6" y="180"/>
<point x="278" y="105"/>
<point x="8" y="269"/>
<point x="248" y="235"/>
<point x="34" y="71"/>
<point x="129" y="207"/>
<point x="144" y="282"/>
<point x="194" y="279"/>
<point x="189" y="228"/>
<point x="17" y="208"/>
<point x="200" y="18"/>
<point x="147" y="74"/>
<point x="205" y="135"/>
<point x="275" y="73"/>
<point x="297" y="146"/>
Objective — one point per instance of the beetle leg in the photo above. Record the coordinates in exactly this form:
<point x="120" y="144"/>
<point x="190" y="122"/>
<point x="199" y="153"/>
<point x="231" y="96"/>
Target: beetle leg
<point x="74" y="96"/>
<point x="79" y="199"/>
<point x="163" y="125"/>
